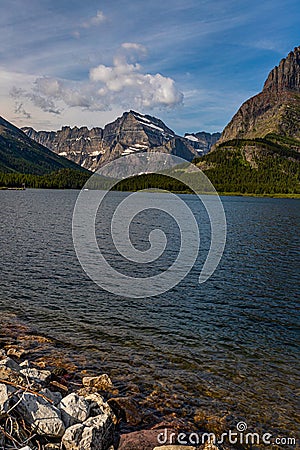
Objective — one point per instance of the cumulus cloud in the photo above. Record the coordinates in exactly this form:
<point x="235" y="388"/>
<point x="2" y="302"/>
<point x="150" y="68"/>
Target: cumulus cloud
<point x="123" y="84"/>
<point x="126" y="82"/>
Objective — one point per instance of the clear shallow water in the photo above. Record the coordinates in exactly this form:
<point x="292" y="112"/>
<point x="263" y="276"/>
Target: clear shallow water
<point x="228" y="347"/>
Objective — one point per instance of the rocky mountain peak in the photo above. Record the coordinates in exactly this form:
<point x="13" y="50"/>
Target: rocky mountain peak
<point x="275" y="110"/>
<point x="285" y="76"/>
<point x="129" y="134"/>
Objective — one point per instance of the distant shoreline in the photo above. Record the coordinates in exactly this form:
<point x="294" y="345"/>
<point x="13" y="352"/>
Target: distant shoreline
<point x="238" y="194"/>
<point x="221" y="194"/>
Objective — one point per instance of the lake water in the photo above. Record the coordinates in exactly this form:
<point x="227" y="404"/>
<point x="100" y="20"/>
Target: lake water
<point x="224" y="348"/>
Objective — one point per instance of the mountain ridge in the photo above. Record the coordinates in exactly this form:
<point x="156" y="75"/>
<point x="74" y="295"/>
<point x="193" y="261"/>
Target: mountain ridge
<point x="275" y="110"/>
<point x="132" y="132"/>
<point x="259" y="149"/>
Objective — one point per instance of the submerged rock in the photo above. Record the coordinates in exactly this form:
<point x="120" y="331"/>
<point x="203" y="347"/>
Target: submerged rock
<point x="126" y="409"/>
<point x="144" y="439"/>
<point x="101" y="382"/>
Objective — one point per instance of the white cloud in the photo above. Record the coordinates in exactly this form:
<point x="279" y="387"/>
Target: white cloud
<point x="75" y="34"/>
<point x="134" y="46"/>
<point x="125" y="82"/>
<point x="121" y="85"/>
<point x="100" y="17"/>
<point x="96" y="20"/>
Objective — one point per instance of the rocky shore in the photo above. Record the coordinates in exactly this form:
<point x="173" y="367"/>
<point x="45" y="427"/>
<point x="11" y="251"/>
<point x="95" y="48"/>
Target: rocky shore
<point x="47" y="408"/>
<point x="52" y="397"/>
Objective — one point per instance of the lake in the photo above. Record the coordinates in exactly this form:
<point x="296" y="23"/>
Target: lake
<point x="227" y="347"/>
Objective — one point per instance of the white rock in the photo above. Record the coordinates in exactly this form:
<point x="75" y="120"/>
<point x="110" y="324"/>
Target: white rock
<point x="6" y="393"/>
<point x="9" y="363"/>
<point x="98" y="406"/>
<point x="54" y="396"/>
<point x="40" y="376"/>
<point x="74" y="409"/>
<point x="26" y="448"/>
<point x="44" y="418"/>
<point x="96" y="433"/>
<point x="24" y="364"/>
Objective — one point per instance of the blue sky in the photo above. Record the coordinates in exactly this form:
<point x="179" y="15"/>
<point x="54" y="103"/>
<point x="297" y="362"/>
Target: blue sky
<point x="189" y="62"/>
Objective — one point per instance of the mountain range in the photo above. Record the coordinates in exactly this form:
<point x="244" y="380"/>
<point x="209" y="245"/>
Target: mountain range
<point x="131" y="133"/>
<point x="258" y="151"/>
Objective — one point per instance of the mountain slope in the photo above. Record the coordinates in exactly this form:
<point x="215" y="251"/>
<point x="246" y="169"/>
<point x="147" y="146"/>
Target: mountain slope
<point x="259" y="150"/>
<point x="134" y="133"/>
<point x="275" y="110"/>
<point x="19" y="153"/>
<point x="203" y="141"/>
<point x="77" y="144"/>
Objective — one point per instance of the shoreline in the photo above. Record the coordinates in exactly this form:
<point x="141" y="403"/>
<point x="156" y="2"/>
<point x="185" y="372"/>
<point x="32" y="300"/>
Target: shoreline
<point x="221" y="194"/>
<point x="51" y="373"/>
<point x="45" y="404"/>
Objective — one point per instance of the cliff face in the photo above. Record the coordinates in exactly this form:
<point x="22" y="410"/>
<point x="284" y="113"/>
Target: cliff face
<point x="275" y="110"/>
<point x="285" y="77"/>
<point x="203" y="141"/>
<point x="259" y="150"/>
<point x="129" y="134"/>
<point x="77" y="144"/>
<point x="134" y="133"/>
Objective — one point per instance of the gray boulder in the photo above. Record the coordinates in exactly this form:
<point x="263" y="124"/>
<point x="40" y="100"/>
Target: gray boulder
<point x="96" y="433"/>
<point x="98" y="406"/>
<point x="56" y="397"/>
<point x="6" y="393"/>
<point x="44" y="418"/>
<point x="74" y="409"/>
<point x="9" y="363"/>
<point x="39" y="376"/>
